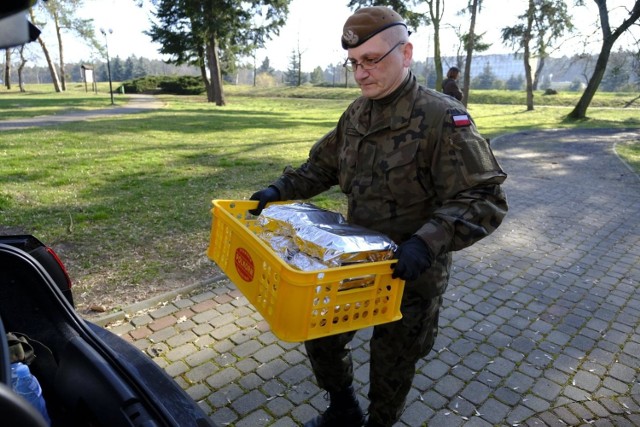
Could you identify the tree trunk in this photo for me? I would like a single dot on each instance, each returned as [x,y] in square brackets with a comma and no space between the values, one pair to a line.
[23,62]
[538,72]
[470,42]
[52,68]
[527,54]
[7,69]
[205,79]
[608,40]
[217,94]
[255,70]
[203,73]
[437,55]
[299,68]
[437,60]
[529,81]
[63,83]
[580,110]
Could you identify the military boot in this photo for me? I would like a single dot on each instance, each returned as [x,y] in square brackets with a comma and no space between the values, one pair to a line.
[343,411]
[371,423]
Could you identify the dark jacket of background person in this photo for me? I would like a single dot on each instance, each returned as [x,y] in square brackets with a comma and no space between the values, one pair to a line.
[450,84]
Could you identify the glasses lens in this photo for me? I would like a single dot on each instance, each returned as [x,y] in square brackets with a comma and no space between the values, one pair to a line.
[368,64]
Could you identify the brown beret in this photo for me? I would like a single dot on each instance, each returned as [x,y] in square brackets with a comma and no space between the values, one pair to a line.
[366,23]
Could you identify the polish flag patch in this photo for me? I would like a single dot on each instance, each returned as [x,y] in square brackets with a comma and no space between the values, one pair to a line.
[461,120]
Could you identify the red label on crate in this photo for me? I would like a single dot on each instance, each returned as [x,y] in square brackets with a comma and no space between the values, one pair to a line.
[244,264]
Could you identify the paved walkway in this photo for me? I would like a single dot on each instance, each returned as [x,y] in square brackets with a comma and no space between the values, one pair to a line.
[540,326]
[137,103]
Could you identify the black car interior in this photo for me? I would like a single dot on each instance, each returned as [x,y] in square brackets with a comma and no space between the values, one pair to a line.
[79,378]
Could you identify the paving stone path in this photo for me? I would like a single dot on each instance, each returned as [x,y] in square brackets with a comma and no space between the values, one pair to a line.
[540,326]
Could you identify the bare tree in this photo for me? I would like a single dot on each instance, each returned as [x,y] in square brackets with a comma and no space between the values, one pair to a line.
[436,11]
[479,46]
[474,7]
[460,47]
[7,68]
[52,6]
[551,22]
[23,62]
[609,38]
[62,12]
[544,22]
[47,56]
[584,61]
[299,54]
[526,41]
[520,35]
[293,76]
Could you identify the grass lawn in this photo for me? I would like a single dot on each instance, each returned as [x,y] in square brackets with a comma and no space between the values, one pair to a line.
[126,200]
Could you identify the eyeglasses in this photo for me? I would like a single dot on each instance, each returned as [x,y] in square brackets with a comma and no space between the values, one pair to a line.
[367,64]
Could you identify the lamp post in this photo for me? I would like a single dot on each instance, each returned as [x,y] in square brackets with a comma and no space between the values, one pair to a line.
[106,43]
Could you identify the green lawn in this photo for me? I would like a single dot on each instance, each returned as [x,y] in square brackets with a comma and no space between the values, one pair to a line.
[126,200]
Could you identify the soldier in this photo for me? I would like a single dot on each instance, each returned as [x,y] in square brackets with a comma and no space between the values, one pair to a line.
[413,166]
[450,84]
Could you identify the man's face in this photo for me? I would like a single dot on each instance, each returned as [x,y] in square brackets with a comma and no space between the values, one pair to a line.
[388,74]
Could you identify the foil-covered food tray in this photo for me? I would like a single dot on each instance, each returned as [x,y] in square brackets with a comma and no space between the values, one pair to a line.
[311,238]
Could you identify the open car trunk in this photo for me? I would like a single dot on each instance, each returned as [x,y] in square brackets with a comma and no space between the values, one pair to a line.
[89,376]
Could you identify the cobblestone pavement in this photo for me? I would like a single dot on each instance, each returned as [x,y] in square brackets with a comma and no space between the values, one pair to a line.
[540,325]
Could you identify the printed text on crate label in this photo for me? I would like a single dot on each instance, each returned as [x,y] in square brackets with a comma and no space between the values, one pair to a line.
[244,264]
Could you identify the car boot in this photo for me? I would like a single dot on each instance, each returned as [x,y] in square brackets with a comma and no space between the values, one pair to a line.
[343,411]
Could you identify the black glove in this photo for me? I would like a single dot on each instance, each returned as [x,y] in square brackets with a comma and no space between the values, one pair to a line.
[414,258]
[264,196]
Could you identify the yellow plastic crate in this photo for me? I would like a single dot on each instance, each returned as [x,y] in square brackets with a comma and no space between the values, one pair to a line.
[299,305]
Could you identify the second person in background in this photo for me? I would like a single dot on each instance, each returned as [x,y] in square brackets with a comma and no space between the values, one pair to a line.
[450,84]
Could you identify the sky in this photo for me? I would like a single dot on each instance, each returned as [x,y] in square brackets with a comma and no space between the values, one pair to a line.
[313,26]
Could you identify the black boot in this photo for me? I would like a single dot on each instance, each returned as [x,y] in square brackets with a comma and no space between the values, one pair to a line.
[343,411]
[371,423]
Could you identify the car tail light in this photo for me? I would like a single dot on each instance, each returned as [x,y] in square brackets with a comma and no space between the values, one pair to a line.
[62,267]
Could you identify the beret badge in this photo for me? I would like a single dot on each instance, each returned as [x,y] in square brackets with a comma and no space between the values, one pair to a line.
[366,22]
[350,37]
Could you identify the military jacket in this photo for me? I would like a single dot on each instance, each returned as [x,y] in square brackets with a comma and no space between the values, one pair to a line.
[413,163]
[450,87]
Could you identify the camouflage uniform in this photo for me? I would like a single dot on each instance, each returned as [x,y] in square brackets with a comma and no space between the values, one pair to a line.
[412,163]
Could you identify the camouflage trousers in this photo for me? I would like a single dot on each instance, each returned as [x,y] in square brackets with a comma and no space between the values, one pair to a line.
[394,348]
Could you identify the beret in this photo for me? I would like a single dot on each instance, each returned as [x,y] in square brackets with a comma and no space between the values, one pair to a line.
[366,22]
